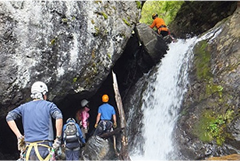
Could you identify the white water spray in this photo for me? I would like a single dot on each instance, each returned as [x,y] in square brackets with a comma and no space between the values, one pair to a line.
[162,100]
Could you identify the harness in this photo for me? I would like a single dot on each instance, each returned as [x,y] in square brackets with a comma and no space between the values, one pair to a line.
[162,26]
[74,149]
[35,145]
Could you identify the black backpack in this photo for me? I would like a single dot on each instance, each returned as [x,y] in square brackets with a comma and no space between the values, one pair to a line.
[71,133]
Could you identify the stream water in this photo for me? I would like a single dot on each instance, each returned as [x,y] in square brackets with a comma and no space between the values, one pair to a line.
[161,102]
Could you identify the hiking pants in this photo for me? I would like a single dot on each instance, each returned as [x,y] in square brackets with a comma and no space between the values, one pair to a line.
[103,127]
[72,154]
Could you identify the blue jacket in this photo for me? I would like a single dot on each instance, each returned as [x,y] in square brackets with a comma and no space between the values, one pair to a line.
[79,132]
[36,119]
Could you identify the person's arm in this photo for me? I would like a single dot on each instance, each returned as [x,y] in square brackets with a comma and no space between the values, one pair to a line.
[59,126]
[114,119]
[153,24]
[97,120]
[13,126]
[80,134]
[11,117]
[57,115]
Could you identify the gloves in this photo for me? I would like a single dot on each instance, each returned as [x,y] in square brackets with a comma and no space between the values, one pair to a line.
[21,143]
[95,126]
[56,144]
[114,125]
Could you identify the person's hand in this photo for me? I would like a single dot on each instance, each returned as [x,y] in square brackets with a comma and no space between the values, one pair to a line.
[56,144]
[114,125]
[95,126]
[21,142]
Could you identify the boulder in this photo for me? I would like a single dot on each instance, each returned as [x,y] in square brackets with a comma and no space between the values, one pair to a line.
[98,148]
[153,44]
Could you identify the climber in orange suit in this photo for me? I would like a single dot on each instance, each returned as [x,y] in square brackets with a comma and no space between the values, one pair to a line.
[159,24]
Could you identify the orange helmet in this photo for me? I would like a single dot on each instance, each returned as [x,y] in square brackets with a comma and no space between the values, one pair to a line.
[105,98]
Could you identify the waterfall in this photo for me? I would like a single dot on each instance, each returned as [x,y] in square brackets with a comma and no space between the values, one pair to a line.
[161,102]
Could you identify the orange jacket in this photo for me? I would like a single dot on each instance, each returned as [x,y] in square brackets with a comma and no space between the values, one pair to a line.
[158,22]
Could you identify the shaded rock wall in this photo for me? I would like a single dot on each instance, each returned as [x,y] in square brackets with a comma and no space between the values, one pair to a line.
[196,17]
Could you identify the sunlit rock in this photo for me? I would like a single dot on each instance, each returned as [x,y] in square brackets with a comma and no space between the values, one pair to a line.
[70,45]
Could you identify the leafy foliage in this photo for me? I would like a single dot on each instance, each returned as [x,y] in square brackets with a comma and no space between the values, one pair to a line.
[167,10]
[212,126]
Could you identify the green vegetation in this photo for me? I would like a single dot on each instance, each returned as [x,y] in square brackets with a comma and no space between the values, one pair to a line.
[165,9]
[202,63]
[75,80]
[64,20]
[139,5]
[53,41]
[126,22]
[109,56]
[212,123]
[97,30]
[212,126]
[105,15]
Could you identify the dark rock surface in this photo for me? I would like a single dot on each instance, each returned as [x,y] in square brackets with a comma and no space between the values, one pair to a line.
[196,17]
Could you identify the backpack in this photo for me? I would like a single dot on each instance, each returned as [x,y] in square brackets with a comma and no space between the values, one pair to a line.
[71,133]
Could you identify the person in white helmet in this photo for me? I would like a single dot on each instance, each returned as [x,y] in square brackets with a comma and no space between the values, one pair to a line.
[37,124]
[84,116]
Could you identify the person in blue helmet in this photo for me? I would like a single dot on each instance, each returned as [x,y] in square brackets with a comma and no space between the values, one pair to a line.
[72,138]
[106,113]
[37,124]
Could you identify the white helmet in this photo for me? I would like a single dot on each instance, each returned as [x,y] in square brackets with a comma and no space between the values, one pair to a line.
[84,103]
[70,120]
[39,87]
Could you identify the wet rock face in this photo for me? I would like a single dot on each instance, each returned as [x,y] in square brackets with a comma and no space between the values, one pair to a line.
[197,17]
[209,126]
[69,45]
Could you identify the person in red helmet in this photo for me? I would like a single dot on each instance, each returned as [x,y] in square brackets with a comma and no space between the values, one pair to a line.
[160,25]
[106,113]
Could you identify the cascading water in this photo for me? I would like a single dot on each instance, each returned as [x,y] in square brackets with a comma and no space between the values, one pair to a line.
[161,102]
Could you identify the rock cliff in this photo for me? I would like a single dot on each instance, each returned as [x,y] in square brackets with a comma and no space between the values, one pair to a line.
[209,125]
[70,45]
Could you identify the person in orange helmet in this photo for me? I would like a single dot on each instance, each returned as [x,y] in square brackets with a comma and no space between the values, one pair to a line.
[106,113]
[160,25]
